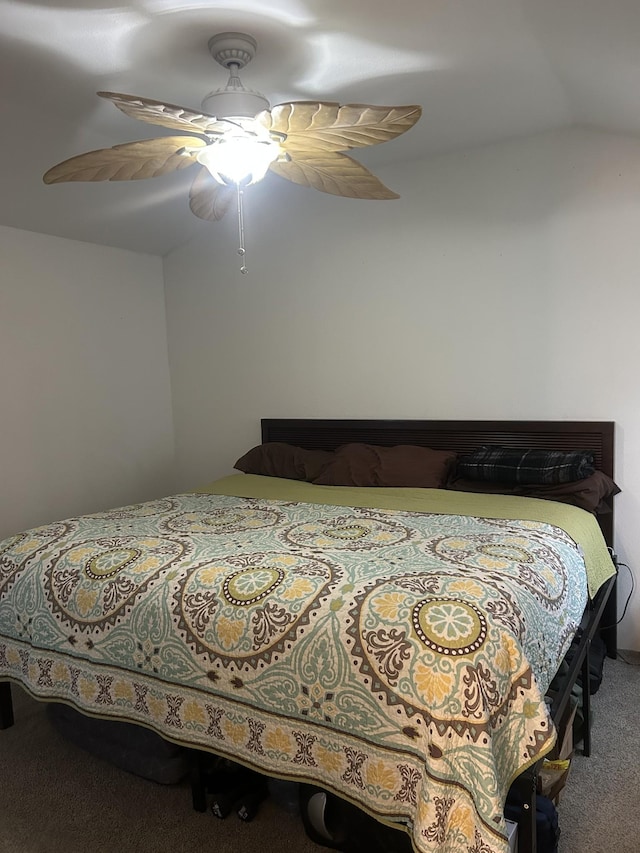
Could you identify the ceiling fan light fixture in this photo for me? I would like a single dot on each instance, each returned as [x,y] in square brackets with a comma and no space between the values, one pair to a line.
[240,156]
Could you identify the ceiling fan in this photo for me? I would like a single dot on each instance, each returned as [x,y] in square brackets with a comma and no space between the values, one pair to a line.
[238,138]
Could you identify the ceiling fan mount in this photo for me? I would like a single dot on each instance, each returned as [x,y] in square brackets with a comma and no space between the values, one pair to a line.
[232,49]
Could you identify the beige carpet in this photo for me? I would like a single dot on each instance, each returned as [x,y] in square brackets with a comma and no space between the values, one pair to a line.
[600,807]
[56,798]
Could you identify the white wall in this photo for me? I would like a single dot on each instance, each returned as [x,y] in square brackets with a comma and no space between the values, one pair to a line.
[85,412]
[502,284]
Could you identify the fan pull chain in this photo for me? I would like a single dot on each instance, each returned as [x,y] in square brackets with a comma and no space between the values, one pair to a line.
[241,249]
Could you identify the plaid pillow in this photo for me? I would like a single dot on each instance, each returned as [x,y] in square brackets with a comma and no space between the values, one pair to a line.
[520,465]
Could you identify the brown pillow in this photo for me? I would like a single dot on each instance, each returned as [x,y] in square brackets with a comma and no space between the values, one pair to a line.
[589,493]
[277,459]
[403,466]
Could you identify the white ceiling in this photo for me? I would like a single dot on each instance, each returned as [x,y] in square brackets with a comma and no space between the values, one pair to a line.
[483,70]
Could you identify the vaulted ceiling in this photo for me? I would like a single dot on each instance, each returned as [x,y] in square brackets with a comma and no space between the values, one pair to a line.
[483,71]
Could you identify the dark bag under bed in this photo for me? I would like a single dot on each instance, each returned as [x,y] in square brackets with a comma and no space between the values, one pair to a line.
[132,748]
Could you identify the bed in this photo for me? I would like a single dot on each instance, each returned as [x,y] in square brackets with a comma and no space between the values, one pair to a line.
[390,645]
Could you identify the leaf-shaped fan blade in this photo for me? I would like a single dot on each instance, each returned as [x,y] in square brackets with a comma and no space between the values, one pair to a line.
[325,126]
[332,173]
[130,161]
[208,199]
[166,115]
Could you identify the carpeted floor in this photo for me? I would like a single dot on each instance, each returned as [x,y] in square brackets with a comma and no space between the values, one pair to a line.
[600,806]
[56,798]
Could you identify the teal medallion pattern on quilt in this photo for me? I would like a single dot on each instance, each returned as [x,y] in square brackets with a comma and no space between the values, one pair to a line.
[246,610]
[397,658]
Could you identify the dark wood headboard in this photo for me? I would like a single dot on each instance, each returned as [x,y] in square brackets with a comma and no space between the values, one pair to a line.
[460,436]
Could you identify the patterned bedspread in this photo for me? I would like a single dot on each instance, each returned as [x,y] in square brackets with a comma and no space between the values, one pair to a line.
[397,658]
